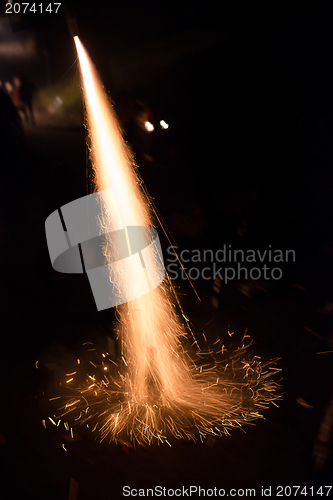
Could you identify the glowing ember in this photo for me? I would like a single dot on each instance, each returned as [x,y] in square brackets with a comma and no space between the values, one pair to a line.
[156,388]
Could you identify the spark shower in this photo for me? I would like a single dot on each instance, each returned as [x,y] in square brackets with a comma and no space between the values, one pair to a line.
[163,384]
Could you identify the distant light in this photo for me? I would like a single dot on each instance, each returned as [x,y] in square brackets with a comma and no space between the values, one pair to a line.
[22,48]
[9,86]
[149,126]
[55,104]
[164,124]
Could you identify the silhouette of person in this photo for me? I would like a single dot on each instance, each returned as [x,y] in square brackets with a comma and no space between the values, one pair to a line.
[27,90]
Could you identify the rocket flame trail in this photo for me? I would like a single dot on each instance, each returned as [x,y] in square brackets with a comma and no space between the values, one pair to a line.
[157,388]
[150,330]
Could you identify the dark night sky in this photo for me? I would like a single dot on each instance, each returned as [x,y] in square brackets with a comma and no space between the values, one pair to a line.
[247,88]
[254,97]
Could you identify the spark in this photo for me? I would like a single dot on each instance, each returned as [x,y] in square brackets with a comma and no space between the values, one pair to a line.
[72,403]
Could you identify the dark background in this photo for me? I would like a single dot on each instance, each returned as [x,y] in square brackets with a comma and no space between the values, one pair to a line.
[246,88]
